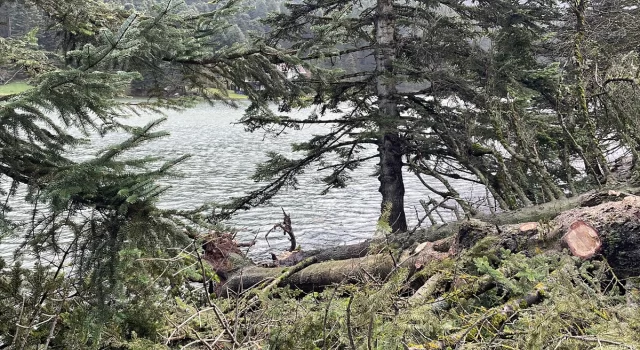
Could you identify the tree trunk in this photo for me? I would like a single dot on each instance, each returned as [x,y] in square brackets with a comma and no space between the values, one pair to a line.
[390,146]
[593,159]
[391,183]
[9,29]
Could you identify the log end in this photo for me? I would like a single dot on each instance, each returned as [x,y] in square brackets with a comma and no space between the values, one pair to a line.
[420,247]
[432,251]
[529,227]
[582,240]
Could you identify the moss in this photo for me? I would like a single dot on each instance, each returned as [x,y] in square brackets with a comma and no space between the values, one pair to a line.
[479,150]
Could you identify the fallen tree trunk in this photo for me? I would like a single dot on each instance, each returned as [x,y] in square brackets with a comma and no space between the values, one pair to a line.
[591,228]
[314,276]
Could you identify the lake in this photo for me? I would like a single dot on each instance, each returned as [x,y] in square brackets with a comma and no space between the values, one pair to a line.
[224,157]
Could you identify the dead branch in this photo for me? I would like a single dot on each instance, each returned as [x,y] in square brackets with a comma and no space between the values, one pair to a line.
[286,227]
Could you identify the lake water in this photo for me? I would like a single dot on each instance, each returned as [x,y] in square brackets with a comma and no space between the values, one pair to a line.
[224,156]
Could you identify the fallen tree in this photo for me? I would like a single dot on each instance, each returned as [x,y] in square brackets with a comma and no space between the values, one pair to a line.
[604,224]
[562,276]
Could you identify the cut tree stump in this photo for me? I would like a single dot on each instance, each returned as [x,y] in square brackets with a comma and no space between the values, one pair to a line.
[529,227]
[618,227]
[582,239]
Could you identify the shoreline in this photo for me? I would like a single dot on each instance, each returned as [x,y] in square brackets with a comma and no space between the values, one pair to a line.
[20,86]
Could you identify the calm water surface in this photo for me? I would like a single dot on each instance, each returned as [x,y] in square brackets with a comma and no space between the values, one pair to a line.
[224,156]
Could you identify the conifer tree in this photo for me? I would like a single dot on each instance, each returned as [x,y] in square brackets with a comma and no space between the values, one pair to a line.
[505,94]
[414,104]
[91,221]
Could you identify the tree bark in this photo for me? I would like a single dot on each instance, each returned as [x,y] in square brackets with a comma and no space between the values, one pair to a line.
[391,183]
[9,29]
[390,143]
[593,159]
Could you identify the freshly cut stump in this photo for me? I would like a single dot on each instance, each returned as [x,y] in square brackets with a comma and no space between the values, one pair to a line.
[582,239]
[528,227]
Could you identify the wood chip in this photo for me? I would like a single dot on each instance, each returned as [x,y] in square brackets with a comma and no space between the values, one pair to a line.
[420,247]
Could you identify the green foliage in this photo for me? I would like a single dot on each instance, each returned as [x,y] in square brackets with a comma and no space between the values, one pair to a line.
[105,263]
[479,303]
[100,266]
[574,312]
[383,227]
[501,99]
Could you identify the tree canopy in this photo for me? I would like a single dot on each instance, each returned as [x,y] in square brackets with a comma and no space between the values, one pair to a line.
[93,220]
[505,94]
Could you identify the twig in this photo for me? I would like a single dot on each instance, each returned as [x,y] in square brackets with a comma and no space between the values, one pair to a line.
[593,340]
[288,272]
[349,333]
[204,275]
[216,311]
[370,333]
[288,230]
[170,337]
[200,340]
[45,294]
[225,325]
[53,325]
[14,75]
[204,341]
[326,315]
[428,212]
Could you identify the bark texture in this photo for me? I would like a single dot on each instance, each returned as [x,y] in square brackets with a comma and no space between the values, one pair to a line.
[390,143]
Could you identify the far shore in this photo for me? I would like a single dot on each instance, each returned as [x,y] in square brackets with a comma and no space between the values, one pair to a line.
[14,88]
[17,87]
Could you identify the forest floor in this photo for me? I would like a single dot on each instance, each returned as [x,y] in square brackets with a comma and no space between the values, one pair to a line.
[556,276]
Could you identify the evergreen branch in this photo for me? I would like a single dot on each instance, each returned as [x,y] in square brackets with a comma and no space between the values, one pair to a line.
[346,164]
[617,80]
[228,57]
[113,45]
[329,54]
[7,97]
[286,174]
[290,121]
[140,135]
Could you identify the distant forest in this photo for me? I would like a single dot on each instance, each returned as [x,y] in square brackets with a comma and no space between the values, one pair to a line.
[18,19]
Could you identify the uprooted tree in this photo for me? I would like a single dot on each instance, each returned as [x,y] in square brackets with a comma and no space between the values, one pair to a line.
[599,223]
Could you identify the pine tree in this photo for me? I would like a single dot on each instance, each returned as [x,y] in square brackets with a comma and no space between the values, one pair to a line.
[504,94]
[413,104]
[92,221]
